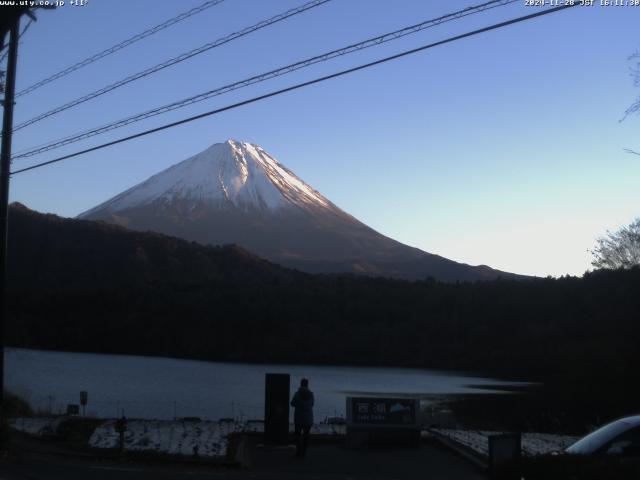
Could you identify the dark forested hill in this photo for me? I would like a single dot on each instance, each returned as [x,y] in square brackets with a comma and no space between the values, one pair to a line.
[51,252]
[86,286]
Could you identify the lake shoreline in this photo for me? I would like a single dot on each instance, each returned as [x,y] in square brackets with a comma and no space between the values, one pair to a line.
[160,387]
[509,378]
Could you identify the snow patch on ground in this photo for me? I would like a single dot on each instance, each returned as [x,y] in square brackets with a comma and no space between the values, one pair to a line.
[533,444]
[176,437]
[210,438]
[173,437]
[36,425]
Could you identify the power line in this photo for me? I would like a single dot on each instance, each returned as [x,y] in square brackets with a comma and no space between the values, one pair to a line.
[264,76]
[175,60]
[120,46]
[301,85]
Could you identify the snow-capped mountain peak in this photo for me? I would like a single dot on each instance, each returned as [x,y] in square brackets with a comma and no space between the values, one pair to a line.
[237,173]
[235,192]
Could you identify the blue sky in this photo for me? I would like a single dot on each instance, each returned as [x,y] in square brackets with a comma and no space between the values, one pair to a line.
[503,149]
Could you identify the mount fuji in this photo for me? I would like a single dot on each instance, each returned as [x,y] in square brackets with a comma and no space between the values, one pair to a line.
[235,192]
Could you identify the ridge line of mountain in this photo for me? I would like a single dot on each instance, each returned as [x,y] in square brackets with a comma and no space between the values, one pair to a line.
[235,192]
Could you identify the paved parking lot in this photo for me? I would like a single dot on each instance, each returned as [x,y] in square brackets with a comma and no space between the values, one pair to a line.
[323,462]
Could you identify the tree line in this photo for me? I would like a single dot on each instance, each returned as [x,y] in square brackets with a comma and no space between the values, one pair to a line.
[578,336]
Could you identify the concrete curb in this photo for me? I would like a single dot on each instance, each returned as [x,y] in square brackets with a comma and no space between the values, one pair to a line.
[461,450]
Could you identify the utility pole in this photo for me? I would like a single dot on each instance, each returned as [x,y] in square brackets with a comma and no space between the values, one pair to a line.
[5,166]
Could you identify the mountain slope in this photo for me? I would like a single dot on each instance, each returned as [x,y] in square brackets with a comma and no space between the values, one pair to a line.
[235,192]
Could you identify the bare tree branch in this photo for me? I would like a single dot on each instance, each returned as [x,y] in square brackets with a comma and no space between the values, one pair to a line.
[619,249]
[634,71]
[628,150]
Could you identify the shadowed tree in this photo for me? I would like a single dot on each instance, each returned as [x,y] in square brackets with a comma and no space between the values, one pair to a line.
[619,249]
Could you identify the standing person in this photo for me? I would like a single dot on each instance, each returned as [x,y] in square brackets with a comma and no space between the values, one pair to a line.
[302,401]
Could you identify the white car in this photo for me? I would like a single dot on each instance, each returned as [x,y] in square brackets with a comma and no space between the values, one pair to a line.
[620,438]
[611,452]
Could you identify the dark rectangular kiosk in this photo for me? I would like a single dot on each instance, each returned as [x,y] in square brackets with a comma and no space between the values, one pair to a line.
[276,409]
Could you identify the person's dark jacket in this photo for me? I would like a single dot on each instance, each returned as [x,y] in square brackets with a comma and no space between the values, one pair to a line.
[302,401]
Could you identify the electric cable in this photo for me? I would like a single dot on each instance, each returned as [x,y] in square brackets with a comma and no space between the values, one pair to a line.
[120,46]
[262,77]
[174,61]
[300,85]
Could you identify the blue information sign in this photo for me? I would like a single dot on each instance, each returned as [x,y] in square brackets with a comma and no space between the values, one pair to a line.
[382,411]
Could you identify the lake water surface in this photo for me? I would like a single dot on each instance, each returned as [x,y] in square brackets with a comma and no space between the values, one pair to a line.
[155,387]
